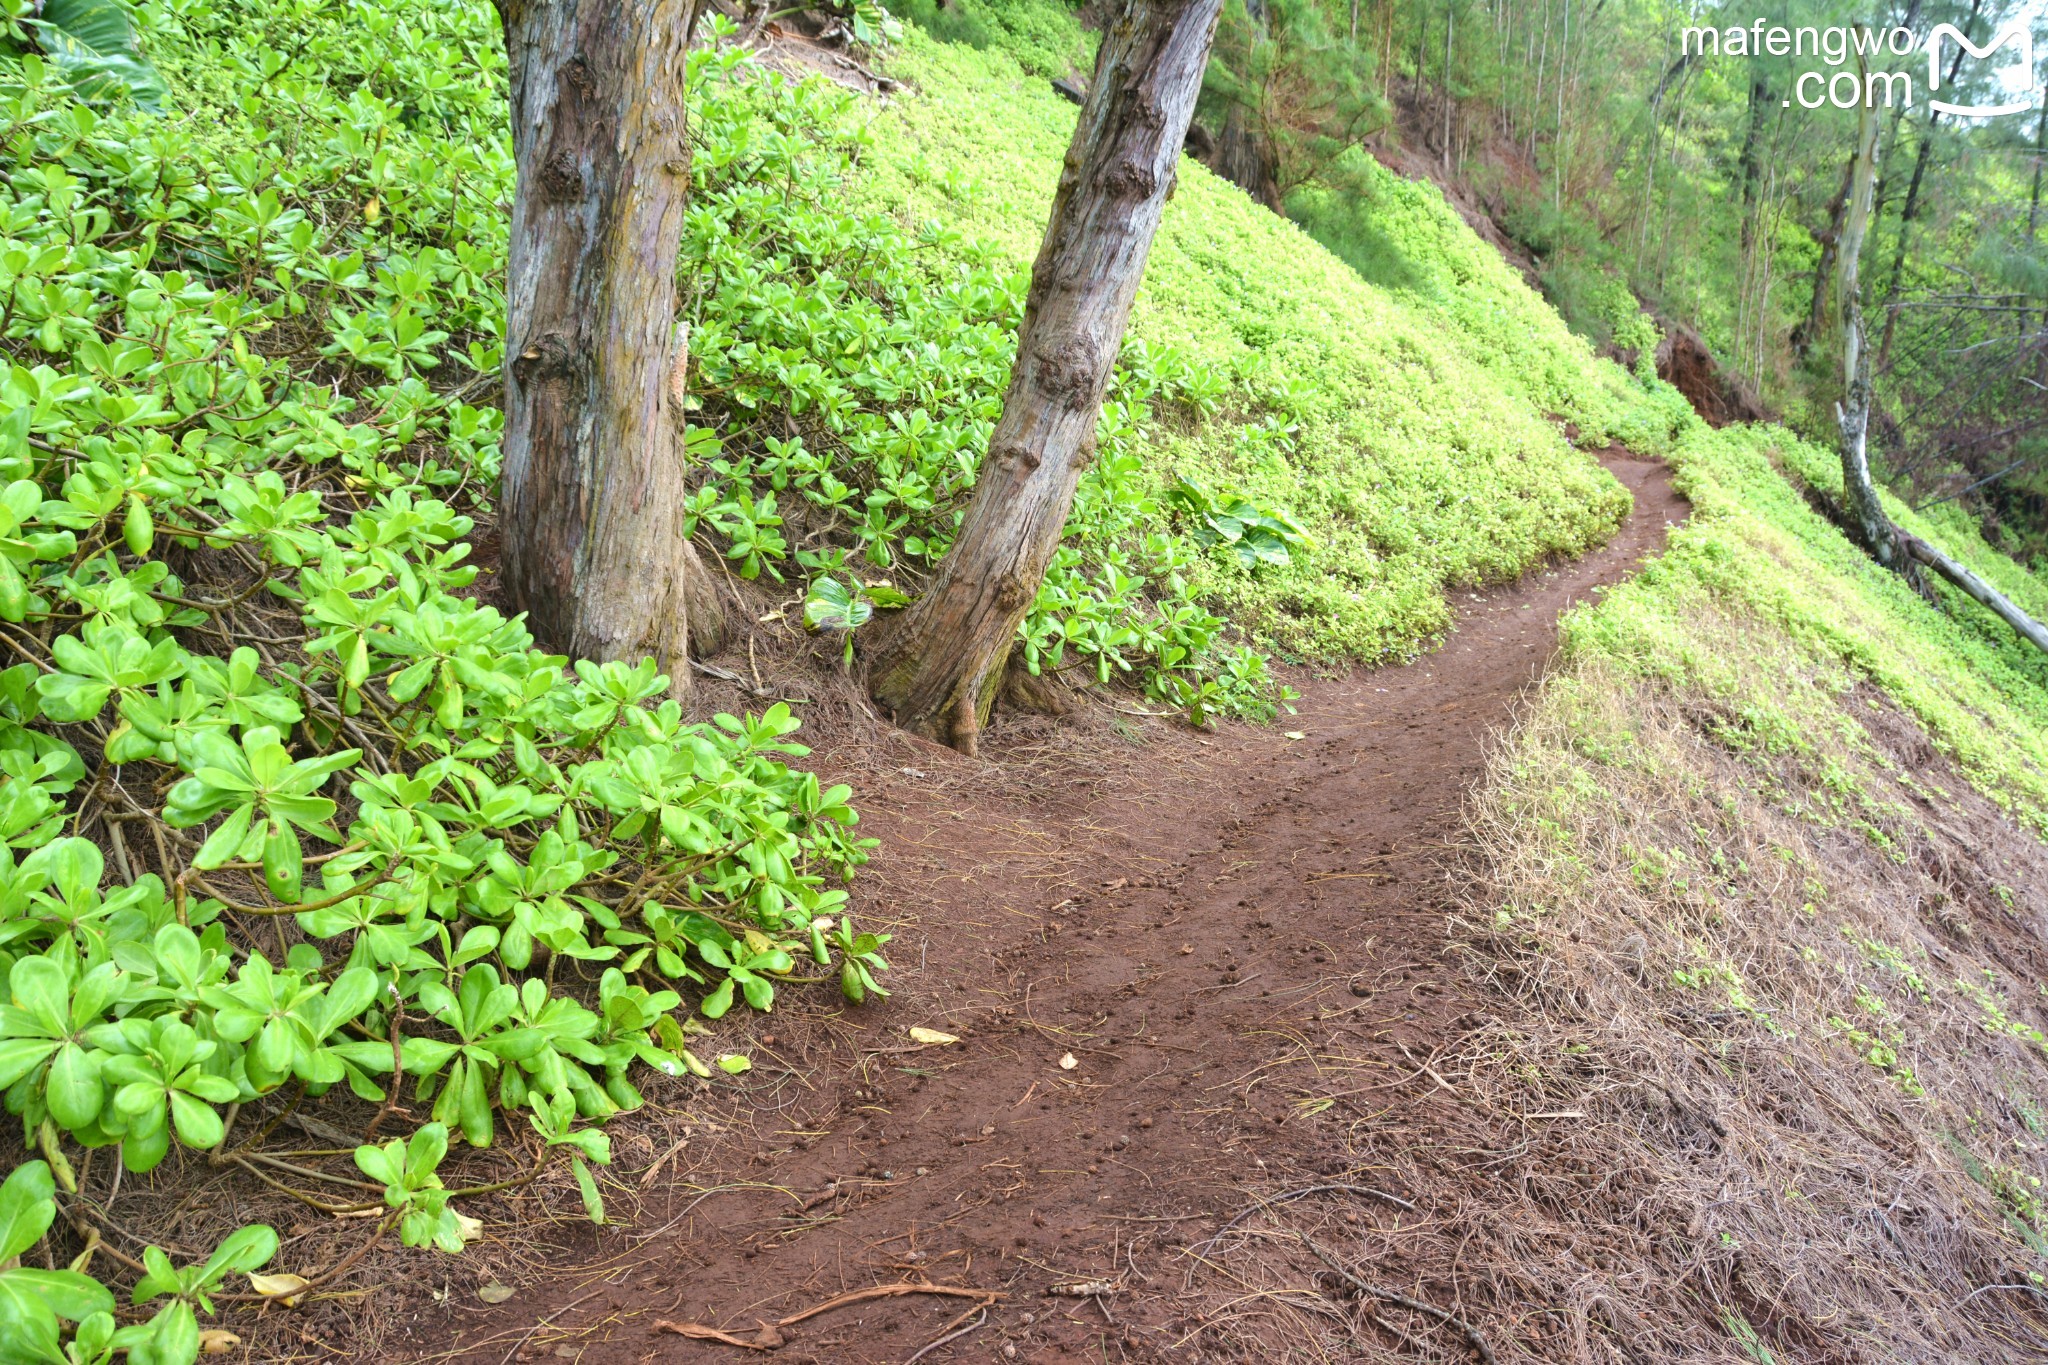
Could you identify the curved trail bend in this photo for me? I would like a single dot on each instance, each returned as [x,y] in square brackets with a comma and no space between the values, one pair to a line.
[1199,928]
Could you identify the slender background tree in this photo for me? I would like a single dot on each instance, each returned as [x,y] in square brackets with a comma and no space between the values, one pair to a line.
[1887,543]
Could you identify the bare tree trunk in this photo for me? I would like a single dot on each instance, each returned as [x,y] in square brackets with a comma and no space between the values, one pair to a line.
[1747,161]
[1906,215]
[1912,205]
[2033,224]
[1244,157]
[1656,139]
[1670,219]
[1853,413]
[593,481]
[2040,155]
[1557,151]
[1450,28]
[940,667]
[2001,606]
[1895,549]
[1386,49]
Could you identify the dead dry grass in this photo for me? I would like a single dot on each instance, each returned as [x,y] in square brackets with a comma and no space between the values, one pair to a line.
[1797,994]
[1760,1074]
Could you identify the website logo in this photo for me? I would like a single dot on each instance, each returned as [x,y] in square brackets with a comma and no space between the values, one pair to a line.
[1860,66]
[2018,77]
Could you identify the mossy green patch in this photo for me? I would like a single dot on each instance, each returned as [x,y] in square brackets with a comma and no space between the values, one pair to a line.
[1413,427]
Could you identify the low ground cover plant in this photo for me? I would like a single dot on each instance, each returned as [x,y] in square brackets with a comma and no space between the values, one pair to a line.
[288,810]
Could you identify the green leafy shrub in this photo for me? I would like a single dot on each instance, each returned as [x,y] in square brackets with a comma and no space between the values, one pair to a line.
[283,806]
[1252,535]
[850,373]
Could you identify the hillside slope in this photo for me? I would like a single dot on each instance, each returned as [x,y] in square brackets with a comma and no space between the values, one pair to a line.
[1761,870]
[1425,448]
[1758,875]
[1742,1031]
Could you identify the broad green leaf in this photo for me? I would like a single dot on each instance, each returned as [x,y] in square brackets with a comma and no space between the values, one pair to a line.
[593,1202]
[70,1295]
[94,44]
[226,841]
[27,1208]
[75,1093]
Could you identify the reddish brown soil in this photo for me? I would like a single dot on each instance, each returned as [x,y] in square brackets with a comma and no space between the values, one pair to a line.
[1716,395]
[1187,919]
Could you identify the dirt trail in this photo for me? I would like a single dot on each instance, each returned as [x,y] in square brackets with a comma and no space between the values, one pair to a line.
[1194,926]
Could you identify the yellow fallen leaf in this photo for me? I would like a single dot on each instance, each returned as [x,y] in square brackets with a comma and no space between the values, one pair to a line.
[468,1228]
[495,1293]
[1295,734]
[286,1289]
[932,1036]
[215,1341]
[1068,1062]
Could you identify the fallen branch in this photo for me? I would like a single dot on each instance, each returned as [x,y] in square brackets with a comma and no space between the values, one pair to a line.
[885,1291]
[952,1331]
[770,1335]
[1449,1319]
[767,1339]
[2000,605]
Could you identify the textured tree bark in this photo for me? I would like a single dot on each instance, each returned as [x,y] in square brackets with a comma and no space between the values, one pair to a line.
[939,669]
[1245,158]
[593,481]
[2000,605]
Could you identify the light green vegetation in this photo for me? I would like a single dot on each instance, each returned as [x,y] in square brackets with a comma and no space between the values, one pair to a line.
[284,808]
[1757,550]
[1404,420]
[248,424]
